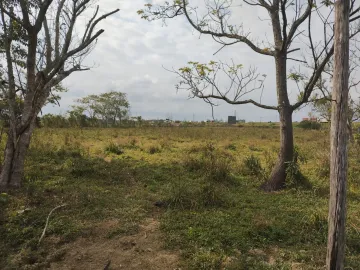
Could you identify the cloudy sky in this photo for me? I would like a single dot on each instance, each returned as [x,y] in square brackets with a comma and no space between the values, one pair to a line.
[132,57]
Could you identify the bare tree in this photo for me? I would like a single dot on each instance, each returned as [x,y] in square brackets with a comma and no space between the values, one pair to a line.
[322,100]
[338,140]
[291,22]
[45,30]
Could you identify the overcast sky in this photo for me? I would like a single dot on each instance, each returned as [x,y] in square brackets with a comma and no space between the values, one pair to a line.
[132,53]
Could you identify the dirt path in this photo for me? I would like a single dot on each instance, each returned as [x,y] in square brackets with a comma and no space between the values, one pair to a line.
[141,251]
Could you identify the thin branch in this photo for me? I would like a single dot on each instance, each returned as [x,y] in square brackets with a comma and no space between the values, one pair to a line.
[47,221]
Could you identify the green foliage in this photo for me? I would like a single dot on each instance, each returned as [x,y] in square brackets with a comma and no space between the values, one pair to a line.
[309,125]
[154,149]
[294,177]
[252,166]
[295,77]
[114,149]
[231,146]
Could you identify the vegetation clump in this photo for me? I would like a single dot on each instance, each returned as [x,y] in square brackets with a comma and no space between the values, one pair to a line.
[306,124]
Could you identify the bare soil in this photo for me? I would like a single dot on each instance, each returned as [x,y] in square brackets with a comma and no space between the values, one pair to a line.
[141,251]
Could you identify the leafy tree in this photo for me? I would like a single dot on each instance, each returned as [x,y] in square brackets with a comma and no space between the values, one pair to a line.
[41,50]
[291,23]
[111,107]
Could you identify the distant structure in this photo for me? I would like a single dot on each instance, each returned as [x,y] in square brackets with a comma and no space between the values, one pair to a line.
[241,121]
[311,119]
[231,120]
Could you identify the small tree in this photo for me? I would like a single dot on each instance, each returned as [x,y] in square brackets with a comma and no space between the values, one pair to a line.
[44,30]
[290,21]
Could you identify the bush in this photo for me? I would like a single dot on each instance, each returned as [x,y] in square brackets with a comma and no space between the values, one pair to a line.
[182,195]
[154,149]
[253,166]
[114,148]
[309,125]
[231,146]
[294,177]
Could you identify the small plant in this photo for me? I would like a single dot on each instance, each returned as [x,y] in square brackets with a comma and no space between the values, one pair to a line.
[154,149]
[212,195]
[231,146]
[253,166]
[182,195]
[294,177]
[254,148]
[133,143]
[323,168]
[114,149]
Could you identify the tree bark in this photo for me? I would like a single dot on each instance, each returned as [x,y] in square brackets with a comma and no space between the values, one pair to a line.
[350,132]
[277,178]
[338,139]
[12,171]
[278,175]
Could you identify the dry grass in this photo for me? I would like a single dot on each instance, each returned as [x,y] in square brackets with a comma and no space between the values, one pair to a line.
[211,207]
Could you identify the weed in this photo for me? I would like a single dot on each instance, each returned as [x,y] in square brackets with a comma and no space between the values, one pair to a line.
[114,149]
[182,195]
[253,166]
[154,149]
[231,146]
[323,165]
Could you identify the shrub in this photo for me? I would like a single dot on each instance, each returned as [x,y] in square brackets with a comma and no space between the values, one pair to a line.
[294,177]
[231,146]
[182,195]
[309,125]
[114,149]
[253,166]
[154,149]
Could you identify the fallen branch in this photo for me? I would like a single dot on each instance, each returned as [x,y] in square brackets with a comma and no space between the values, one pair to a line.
[47,221]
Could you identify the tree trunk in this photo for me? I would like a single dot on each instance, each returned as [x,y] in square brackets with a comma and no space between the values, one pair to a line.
[12,171]
[350,132]
[278,175]
[338,139]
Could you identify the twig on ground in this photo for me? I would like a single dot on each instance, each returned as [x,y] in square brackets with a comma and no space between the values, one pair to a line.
[47,221]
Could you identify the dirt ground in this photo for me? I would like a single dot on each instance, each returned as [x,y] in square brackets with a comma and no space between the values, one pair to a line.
[141,251]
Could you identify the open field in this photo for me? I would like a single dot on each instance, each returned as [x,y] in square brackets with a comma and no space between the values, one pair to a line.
[162,198]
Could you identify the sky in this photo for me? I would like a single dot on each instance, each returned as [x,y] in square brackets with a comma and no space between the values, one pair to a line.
[133,56]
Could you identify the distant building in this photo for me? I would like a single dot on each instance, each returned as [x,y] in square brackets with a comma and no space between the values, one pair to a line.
[231,120]
[311,119]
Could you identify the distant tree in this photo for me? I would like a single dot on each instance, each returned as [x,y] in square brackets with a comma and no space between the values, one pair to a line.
[291,24]
[54,121]
[323,108]
[111,107]
[41,49]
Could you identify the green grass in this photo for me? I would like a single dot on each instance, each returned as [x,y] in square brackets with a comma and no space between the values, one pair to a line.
[207,179]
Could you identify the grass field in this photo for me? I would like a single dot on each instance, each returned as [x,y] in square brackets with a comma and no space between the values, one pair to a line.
[199,183]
